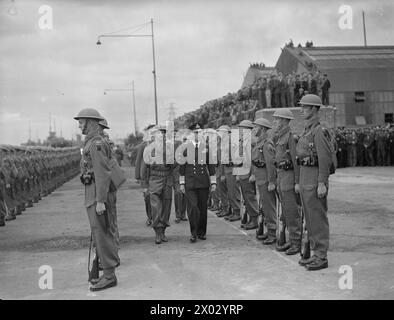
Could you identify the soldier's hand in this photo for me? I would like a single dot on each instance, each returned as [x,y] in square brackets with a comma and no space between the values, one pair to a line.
[100,208]
[182,188]
[213,187]
[271,187]
[236,178]
[297,188]
[321,190]
[252,178]
[223,178]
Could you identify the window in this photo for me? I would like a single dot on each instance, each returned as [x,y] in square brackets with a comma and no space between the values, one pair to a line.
[359,96]
[388,118]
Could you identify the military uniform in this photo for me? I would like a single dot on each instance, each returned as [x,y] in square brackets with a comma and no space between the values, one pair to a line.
[263,160]
[314,156]
[159,181]
[138,170]
[288,173]
[197,178]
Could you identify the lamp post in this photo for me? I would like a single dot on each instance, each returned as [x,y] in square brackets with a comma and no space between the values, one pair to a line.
[153,55]
[134,112]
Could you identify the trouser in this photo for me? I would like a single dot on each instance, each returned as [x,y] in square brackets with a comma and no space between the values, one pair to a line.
[215,201]
[325,98]
[268,98]
[148,208]
[248,190]
[105,232]
[268,204]
[160,190]
[370,157]
[381,155]
[180,202]
[351,155]
[222,191]
[315,210]
[197,200]
[234,193]
[283,102]
[290,205]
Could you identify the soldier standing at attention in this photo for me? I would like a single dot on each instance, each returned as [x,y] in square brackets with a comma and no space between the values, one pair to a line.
[100,196]
[314,156]
[264,172]
[243,173]
[195,179]
[158,182]
[288,173]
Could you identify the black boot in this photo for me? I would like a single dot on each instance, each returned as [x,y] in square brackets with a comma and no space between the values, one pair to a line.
[162,234]
[244,220]
[252,224]
[158,236]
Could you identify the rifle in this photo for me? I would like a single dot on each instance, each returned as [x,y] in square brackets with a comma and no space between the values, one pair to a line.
[280,221]
[94,272]
[305,252]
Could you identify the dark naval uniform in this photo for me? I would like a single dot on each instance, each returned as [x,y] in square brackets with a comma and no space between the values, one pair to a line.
[197,178]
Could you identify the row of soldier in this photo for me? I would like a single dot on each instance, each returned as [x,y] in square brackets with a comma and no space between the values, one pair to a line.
[365,146]
[29,173]
[286,172]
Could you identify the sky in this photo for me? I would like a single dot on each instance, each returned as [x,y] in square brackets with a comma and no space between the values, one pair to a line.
[203,50]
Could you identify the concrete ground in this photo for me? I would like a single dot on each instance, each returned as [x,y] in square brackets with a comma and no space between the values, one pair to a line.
[230,264]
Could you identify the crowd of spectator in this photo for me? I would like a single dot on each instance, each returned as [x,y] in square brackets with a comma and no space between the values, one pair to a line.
[271,91]
[365,146]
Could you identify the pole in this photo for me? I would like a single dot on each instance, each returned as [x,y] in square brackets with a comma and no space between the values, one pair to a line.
[365,33]
[154,71]
[135,117]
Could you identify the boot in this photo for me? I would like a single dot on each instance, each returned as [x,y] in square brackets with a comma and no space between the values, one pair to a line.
[260,230]
[18,210]
[158,236]
[294,249]
[234,217]
[29,204]
[252,224]
[244,220]
[271,237]
[2,220]
[162,235]
[224,214]
[10,215]
[284,247]
[317,264]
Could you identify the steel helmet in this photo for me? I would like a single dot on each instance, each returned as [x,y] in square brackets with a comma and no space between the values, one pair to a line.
[104,124]
[89,113]
[246,124]
[263,122]
[311,100]
[283,113]
[224,128]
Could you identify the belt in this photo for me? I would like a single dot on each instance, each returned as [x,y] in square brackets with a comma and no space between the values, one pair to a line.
[160,173]
[258,164]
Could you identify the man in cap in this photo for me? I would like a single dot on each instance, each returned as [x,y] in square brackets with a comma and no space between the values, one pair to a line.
[100,196]
[138,166]
[158,181]
[197,176]
[314,156]
[264,172]
[243,173]
[288,173]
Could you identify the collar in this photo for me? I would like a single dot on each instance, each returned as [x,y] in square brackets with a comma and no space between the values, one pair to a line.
[283,131]
[92,134]
[312,122]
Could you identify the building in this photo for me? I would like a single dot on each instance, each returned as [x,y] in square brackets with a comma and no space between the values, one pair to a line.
[254,73]
[362,79]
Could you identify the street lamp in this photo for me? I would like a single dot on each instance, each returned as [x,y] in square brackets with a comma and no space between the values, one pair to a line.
[134,113]
[153,54]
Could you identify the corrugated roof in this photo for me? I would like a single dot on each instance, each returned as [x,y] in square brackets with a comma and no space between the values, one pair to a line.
[346,57]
